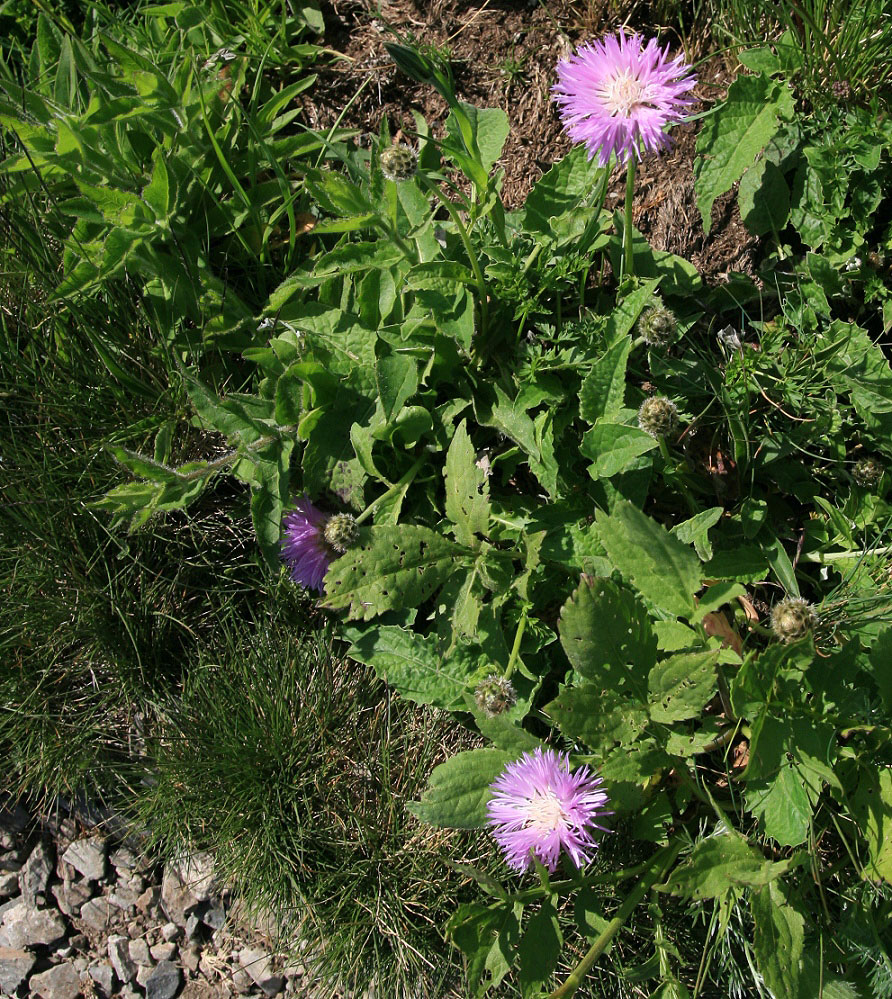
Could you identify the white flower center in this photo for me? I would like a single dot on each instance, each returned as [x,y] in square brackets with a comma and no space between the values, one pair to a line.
[623,93]
[545,812]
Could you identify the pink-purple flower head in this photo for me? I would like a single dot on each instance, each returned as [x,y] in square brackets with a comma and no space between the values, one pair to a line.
[540,807]
[313,540]
[617,97]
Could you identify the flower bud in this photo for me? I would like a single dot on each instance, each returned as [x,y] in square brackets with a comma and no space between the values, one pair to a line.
[658,416]
[867,472]
[398,163]
[341,532]
[657,326]
[495,695]
[792,618]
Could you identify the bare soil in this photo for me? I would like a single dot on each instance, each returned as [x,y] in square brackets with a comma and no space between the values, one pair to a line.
[503,54]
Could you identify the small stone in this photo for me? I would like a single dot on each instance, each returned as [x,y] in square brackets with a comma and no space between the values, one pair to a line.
[71,897]
[149,899]
[134,930]
[192,925]
[98,914]
[123,859]
[87,855]
[80,963]
[35,875]
[163,951]
[14,967]
[242,981]
[258,964]
[119,956]
[102,974]
[124,898]
[60,982]
[9,884]
[26,927]
[170,931]
[139,951]
[190,956]
[143,974]
[214,916]
[79,941]
[62,950]
[164,981]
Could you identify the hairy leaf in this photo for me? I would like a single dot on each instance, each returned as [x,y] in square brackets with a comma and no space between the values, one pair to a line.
[458,790]
[682,685]
[467,490]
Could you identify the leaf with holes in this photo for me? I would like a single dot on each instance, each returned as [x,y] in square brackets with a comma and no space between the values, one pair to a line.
[607,635]
[599,718]
[467,492]
[682,685]
[394,568]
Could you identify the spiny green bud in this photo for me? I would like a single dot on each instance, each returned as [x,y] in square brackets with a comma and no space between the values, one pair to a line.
[657,326]
[792,618]
[658,416]
[495,695]
[398,163]
[867,472]
[341,532]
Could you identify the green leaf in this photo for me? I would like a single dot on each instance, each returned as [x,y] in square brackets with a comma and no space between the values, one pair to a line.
[880,658]
[695,531]
[764,199]
[396,376]
[871,806]
[413,665]
[458,790]
[603,388]
[157,191]
[607,635]
[664,570]
[599,718]
[391,568]
[561,190]
[270,494]
[720,864]
[614,447]
[489,127]
[782,806]
[731,138]
[682,685]
[540,947]
[467,490]
[487,936]
[779,944]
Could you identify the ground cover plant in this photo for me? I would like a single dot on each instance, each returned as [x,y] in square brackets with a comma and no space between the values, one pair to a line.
[628,529]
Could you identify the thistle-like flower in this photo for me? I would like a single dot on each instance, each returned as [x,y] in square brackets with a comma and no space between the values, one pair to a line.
[398,163]
[792,618]
[341,532]
[657,326]
[495,695]
[867,472]
[305,549]
[658,416]
[618,96]
[539,807]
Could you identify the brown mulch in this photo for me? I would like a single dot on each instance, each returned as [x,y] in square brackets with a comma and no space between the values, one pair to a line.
[503,54]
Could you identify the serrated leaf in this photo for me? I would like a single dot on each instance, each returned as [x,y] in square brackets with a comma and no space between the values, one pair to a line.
[782,806]
[664,570]
[871,806]
[695,530]
[613,447]
[682,685]
[602,390]
[228,416]
[458,790]
[396,567]
[269,495]
[721,864]
[413,665]
[561,190]
[764,199]
[607,635]
[599,718]
[778,942]
[467,490]
[487,936]
[731,138]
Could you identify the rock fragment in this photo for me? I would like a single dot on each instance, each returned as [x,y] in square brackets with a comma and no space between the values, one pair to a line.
[87,856]
[258,964]
[9,884]
[35,875]
[23,926]
[102,974]
[164,981]
[60,982]
[98,914]
[119,955]
[14,967]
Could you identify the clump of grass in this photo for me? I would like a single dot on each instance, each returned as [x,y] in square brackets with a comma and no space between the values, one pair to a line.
[294,768]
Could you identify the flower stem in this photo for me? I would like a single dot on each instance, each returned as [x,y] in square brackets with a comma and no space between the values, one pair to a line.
[518,638]
[658,867]
[628,255]
[404,481]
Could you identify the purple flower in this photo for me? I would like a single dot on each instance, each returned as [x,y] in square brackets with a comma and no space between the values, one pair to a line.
[617,97]
[304,548]
[539,807]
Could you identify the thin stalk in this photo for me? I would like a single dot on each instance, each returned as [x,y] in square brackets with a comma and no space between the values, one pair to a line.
[628,255]
[482,290]
[405,480]
[515,648]
[599,207]
[658,867]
